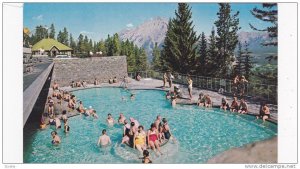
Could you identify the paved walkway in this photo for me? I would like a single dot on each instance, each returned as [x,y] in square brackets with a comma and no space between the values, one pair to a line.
[38,68]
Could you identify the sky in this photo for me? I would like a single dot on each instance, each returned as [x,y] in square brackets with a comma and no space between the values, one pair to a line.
[97,20]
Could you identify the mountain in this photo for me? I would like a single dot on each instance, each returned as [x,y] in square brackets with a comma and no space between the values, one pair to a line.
[154,30]
[147,34]
[254,40]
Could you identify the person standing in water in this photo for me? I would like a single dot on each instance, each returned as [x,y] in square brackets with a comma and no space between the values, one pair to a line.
[104,140]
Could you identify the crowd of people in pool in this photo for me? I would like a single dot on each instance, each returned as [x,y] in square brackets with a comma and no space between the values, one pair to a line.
[134,134]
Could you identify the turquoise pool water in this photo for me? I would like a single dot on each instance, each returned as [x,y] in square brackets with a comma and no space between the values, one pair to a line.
[200,133]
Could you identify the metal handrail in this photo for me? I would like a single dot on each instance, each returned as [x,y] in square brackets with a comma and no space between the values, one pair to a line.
[258,90]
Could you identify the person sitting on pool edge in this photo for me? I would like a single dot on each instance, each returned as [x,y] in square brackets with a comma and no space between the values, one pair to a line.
[138,77]
[110,81]
[121,119]
[208,102]
[264,112]
[243,107]
[55,85]
[55,138]
[96,82]
[115,80]
[110,119]
[153,141]
[234,105]
[146,157]
[224,104]
[104,140]
[140,139]
[201,99]
[129,134]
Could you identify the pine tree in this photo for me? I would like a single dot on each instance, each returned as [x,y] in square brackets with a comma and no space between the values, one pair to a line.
[86,44]
[116,45]
[227,26]
[52,31]
[180,42]
[269,14]
[109,46]
[90,46]
[212,57]
[248,61]
[156,58]
[72,43]
[203,55]
[102,47]
[80,46]
[65,37]
[238,70]
[141,62]
[60,37]
[40,33]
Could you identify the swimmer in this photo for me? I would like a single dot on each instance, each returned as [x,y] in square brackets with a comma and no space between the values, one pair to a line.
[57,123]
[55,138]
[80,107]
[104,140]
[64,115]
[121,118]
[146,157]
[94,114]
[132,97]
[110,119]
[66,126]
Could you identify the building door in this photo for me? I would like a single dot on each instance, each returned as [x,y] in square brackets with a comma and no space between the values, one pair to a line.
[53,53]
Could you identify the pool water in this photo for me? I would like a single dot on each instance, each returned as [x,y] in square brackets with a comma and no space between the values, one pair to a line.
[200,133]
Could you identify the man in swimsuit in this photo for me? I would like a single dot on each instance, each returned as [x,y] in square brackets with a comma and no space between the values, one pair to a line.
[157,121]
[146,157]
[234,105]
[121,119]
[110,119]
[55,138]
[243,107]
[104,140]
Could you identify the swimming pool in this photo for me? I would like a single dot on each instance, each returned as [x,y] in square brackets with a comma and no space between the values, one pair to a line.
[200,133]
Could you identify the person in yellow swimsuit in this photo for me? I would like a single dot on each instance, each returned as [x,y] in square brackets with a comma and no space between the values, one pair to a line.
[140,140]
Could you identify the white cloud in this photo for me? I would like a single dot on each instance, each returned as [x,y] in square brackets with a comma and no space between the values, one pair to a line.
[129,25]
[86,32]
[39,17]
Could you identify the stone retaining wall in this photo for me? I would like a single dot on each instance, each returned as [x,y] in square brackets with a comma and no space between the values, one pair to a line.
[87,69]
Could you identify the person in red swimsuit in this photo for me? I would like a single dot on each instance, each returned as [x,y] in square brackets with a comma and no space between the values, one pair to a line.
[153,139]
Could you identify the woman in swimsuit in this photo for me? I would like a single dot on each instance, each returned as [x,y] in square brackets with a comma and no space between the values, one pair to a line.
[165,78]
[208,102]
[190,86]
[234,105]
[201,100]
[146,158]
[224,104]
[153,138]
[166,129]
[140,139]
[55,138]
[235,85]
[128,133]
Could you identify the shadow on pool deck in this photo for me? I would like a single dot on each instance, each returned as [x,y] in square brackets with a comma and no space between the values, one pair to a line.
[258,152]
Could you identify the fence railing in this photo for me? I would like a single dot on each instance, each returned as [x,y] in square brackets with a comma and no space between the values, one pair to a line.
[255,91]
